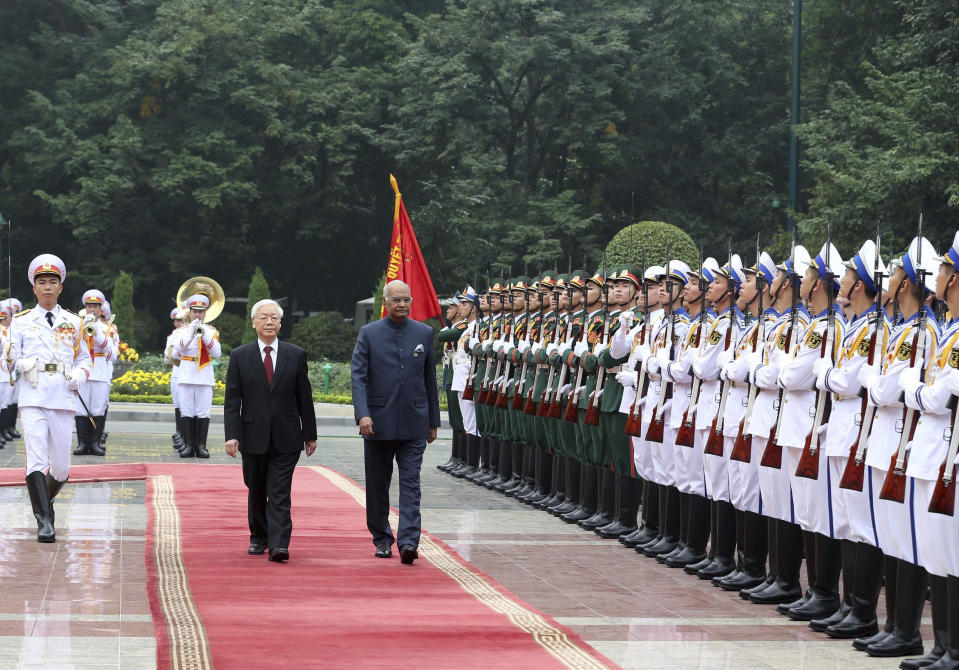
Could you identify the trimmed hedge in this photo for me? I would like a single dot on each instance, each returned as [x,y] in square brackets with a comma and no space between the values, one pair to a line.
[653,237]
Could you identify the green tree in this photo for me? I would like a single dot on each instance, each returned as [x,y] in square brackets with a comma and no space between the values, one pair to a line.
[123,309]
[231,328]
[258,290]
[326,335]
[652,238]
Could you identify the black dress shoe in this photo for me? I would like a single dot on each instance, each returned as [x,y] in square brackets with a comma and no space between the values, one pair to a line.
[256,549]
[383,551]
[408,554]
[279,555]
[820,625]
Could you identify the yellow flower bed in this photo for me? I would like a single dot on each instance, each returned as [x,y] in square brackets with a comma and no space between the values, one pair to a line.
[139,382]
[128,353]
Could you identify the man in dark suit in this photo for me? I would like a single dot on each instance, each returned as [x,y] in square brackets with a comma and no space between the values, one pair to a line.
[396,405]
[268,416]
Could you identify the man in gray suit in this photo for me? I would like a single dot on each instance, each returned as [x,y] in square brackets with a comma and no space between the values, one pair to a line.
[396,406]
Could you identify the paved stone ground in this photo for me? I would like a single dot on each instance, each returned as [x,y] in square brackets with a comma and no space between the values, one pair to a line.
[81,603]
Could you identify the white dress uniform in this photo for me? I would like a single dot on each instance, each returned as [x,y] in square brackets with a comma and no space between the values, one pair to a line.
[462,361]
[102,348]
[642,458]
[663,453]
[688,460]
[707,366]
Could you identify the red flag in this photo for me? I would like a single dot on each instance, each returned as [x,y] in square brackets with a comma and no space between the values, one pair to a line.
[406,263]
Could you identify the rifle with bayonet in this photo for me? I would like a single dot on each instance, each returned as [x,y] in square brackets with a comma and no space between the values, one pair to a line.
[572,408]
[654,433]
[529,406]
[894,486]
[494,335]
[808,466]
[545,408]
[592,410]
[773,454]
[518,394]
[853,475]
[634,420]
[685,436]
[743,446]
[510,340]
[715,448]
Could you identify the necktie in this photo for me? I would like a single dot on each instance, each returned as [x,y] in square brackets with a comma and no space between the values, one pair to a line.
[268,365]
[50,318]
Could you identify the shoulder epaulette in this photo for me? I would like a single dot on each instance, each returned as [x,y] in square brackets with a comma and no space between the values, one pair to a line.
[23,313]
[461,325]
[68,311]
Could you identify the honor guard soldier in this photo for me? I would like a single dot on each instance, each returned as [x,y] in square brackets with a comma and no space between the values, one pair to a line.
[912,342]
[6,390]
[45,345]
[178,317]
[458,461]
[8,415]
[106,316]
[468,327]
[784,536]
[932,467]
[101,348]
[196,345]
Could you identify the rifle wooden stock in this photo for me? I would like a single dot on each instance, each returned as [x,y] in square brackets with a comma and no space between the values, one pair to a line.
[685,436]
[894,485]
[715,444]
[468,393]
[634,424]
[517,402]
[655,431]
[529,407]
[808,466]
[773,453]
[572,408]
[943,500]
[854,474]
[743,446]
[592,412]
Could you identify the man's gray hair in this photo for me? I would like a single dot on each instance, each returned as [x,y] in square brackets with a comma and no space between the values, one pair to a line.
[264,303]
[395,282]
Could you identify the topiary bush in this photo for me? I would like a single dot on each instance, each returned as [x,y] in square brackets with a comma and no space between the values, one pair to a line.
[231,328]
[259,290]
[653,237]
[324,336]
[123,310]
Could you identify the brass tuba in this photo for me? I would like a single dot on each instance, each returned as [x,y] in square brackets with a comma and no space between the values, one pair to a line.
[207,287]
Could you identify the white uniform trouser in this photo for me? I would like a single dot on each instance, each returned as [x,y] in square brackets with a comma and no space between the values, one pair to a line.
[895,523]
[689,467]
[195,400]
[714,467]
[774,485]
[468,410]
[47,434]
[6,393]
[642,459]
[935,534]
[851,510]
[174,385]
[744,479]
[812,501]
[96,395]
[664,465]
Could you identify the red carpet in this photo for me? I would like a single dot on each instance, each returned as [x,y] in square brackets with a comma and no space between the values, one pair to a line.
[333,605]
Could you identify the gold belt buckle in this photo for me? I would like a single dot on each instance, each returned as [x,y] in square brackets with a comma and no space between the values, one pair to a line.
[50,367]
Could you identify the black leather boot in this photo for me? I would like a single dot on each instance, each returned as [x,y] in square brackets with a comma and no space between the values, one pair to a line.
[939,597]
[14,408]
[824,600]
[669,523]
[102,442]
[649,513]
[82,424]
[5,427]
[202,428]
[905,639]
[557,482]
[545,487]
[771,526]
[683,529]
[177,438]
[574,491]
[789,555]
[451,461]
[487,470]
[606,500]
[53,488]
[503,463]
[42,507]
[890,570]
[532,475]
[188,431]
[457,462]
[508,452]
[96,433]
[520,462]
[697,533]
[626,506]
[950,659]
[809,553]
[848,550]
[588,495]
[724,541]
[753,555]
[861,618]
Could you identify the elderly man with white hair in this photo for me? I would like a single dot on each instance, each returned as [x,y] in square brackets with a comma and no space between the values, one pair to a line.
[269,418]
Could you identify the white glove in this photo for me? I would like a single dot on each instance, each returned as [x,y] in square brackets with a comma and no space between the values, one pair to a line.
[473,341]
[625,321]
[627,378]
[652,365]
[724,357]
[579,392]
[662,357]
[821,375]
[642,351]
[909,381]
[523,346]
[551,348]
[26,364]
[580,349]
[820,365]
[77,378]
[566,389]
[868,376]
[535,349]
[726,374]
[497,346]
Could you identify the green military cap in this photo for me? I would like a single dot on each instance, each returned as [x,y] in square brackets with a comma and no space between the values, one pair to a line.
[497,286]
[519,283]
[578,278]
[628,272]
[547,280]
[598,278]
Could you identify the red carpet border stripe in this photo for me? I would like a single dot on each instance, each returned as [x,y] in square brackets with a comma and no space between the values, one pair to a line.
[547,635]
[188,645]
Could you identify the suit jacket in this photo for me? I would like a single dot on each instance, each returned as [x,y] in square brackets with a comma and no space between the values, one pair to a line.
[393,376]
[256,413]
